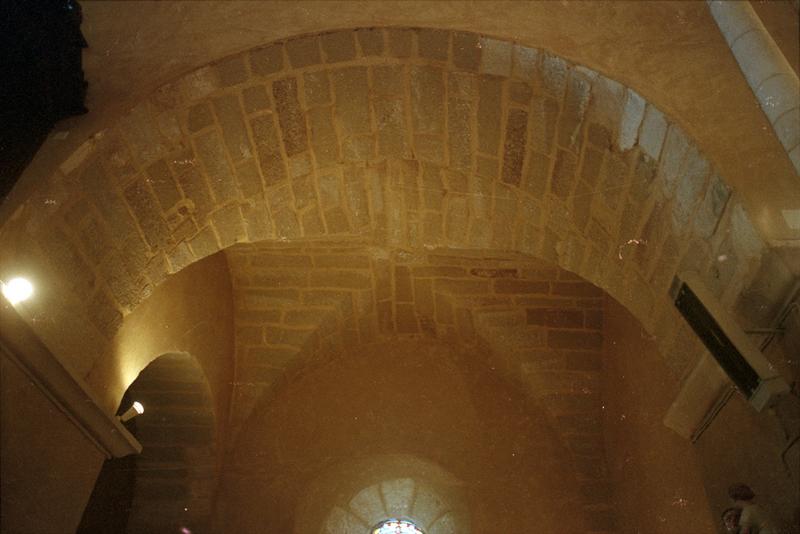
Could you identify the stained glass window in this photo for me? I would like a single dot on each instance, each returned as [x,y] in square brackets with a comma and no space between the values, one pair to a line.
[396,526]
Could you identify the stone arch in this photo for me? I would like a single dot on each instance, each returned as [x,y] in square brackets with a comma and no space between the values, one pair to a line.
[475,426]
[172,483]
[359,494]
[413,137]
[302,307]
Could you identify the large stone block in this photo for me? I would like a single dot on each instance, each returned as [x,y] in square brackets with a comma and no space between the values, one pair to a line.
[351,91]
[496,57]
[466,51]
[316,88]
[290,116]
[515,146]
[338,46]
[143,206]
[371,41]
[490,91]
[575,104]
[267,60]
[228,223]
[525,62]
[544,118]
[632,115]
[163,183]
[400,42]
[689,189]
[390,122]
[210,152]
[712,207]
[231,120]
[653,132]
[433,44]
[231,71]
[552,75]
[303,51]
[564,174]
[427,99]
[570,339]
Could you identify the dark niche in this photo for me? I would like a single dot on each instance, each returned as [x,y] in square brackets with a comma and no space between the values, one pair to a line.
[41,77]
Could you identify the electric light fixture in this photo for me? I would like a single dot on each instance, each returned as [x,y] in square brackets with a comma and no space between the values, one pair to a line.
[17,290]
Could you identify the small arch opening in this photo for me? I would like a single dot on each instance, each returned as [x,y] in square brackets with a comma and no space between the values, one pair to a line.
[396,526]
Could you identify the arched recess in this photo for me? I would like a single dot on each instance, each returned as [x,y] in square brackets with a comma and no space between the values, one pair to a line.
[401,396]
[356,495]
[412,137]
[171,485]
[308,309]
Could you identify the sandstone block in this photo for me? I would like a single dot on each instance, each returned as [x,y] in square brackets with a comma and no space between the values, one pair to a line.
[653,132]
[255,99]
[390,122]
[198,117]
[340,279]
[163,184]
[231,71]
[520,286]
[267,60]
[352,99]
[575,104]
[515,146]
[204,243]
[427,99]
[371,41]
[336,221]
[544,118]
[570,339]
[303,51]
[228,223]
[676,146]
[466,51]
[143,206]
[576,289]
[433,44]
[210,152]
[290,116]
[591,165]
[555,317]
[632,115]
[324,141]
[461,287]
[525,62]
[552,75]
[400,42]
[564,174]
[689,187]
[490,94]
[311,221]
[338,46]
[231,120]
[496,57]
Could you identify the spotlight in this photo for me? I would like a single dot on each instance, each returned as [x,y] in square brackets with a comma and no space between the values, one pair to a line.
[17,289]
[133,411]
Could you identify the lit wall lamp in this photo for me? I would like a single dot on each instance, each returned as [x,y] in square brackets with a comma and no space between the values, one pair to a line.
[133,411]
[17,289]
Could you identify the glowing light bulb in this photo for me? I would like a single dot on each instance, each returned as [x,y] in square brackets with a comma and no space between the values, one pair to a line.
[133,411]
[17,289]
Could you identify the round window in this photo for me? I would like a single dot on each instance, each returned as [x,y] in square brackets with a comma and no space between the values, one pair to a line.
[396,526]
